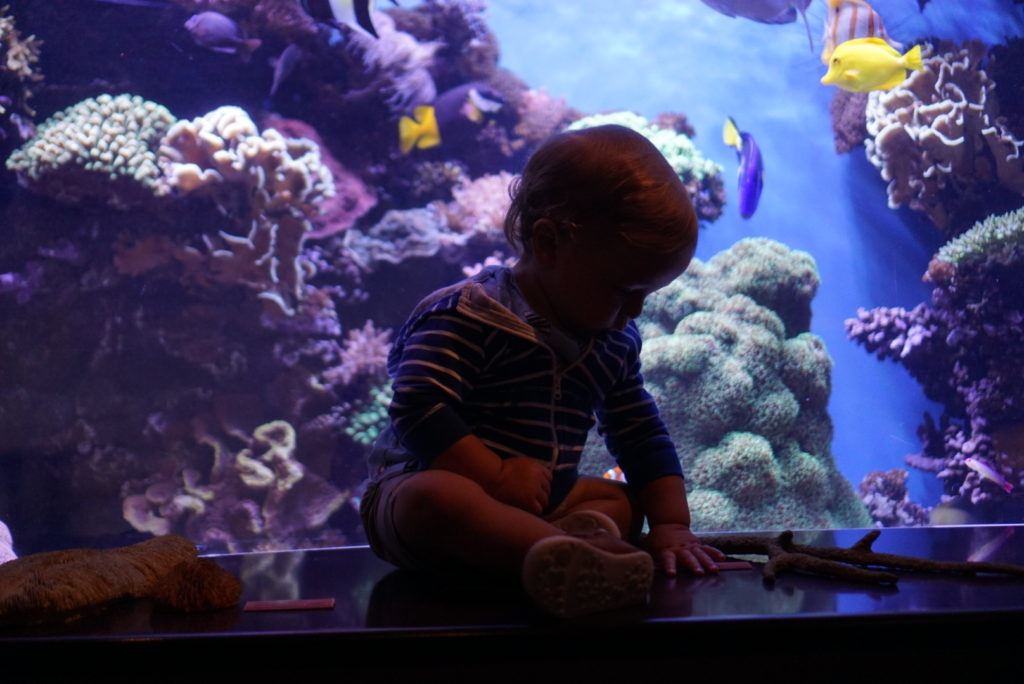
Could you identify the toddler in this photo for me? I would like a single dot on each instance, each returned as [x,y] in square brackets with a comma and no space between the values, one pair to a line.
[499,378]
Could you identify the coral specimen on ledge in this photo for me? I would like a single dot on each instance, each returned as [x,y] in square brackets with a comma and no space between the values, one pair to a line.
[964,347]
[744,389]
[101,147]
[854,563]
[940,142]
[60,586]
[702,177]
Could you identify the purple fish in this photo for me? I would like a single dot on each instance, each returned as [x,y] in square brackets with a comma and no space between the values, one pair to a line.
[764,11]
[751,166]
[214,31]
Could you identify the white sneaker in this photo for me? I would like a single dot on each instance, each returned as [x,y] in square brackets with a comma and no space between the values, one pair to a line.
[584,523]
[567,576]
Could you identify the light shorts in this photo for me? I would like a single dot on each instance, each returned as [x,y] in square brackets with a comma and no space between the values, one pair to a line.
[377,510]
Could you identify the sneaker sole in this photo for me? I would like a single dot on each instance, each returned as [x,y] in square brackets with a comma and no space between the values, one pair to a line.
[587,522]
[568,577]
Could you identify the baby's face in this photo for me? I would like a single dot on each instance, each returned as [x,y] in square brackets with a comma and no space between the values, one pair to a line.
[603,287]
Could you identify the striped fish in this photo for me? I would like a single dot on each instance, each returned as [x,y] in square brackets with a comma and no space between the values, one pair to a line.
[850,19]
[615,474]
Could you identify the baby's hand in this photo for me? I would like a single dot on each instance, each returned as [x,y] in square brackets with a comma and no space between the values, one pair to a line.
[671,544]
[524,483]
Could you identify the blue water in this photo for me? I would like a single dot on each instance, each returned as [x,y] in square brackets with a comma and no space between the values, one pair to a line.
[655,56]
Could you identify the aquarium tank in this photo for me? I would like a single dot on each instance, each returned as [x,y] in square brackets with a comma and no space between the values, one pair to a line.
[215,215]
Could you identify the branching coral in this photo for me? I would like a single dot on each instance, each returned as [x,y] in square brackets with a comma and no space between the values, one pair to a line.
[103,147]
[260,495]
[478,206]
[702,177]
[365,352]
[744,391]
[939,140]
[885,494]
[856,563]
[19,68]
[964,347]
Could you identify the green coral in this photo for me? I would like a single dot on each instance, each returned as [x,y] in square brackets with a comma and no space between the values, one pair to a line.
[366,424]
[744,389]
[678,149]
[985,237]
[105,146]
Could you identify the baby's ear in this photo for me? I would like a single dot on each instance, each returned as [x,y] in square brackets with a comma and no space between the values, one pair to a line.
[544,240]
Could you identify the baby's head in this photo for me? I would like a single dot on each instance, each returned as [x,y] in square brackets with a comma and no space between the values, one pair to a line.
[607,179]
[601,221]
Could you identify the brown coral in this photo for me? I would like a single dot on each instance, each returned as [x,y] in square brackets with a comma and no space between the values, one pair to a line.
[939,140]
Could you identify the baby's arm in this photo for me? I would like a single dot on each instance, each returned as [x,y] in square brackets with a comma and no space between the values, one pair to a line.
[670,540]
[521,482]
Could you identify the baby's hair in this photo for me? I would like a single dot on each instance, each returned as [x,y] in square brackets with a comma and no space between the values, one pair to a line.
[603,177]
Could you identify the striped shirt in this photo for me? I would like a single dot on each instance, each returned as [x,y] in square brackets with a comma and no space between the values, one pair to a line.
[473,358]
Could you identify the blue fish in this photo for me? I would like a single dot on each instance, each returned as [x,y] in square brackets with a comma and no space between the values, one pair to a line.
[751,166]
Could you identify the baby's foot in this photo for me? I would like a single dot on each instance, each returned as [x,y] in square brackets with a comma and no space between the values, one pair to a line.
[569,576]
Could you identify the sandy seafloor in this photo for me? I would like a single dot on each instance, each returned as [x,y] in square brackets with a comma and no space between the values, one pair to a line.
[655,56]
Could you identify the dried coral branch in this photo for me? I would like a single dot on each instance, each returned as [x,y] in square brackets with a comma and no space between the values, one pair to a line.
[842,563]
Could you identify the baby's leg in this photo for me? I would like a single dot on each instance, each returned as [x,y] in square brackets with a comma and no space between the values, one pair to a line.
[606,496]
[446,520]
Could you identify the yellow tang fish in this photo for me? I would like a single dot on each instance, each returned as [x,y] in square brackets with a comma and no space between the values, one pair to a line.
[420,131]
[866,64]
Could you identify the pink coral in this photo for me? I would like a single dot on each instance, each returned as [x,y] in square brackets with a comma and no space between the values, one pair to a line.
[479,206]
[365,352]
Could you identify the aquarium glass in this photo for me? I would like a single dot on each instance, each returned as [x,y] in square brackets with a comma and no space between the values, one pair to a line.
[215,215]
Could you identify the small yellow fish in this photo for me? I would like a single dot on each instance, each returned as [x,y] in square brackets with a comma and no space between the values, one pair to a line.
[866,64]
[420,131]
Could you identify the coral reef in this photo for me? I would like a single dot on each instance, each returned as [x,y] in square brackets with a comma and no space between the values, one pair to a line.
[702,177]
[478,206]
[270,182]
[964,347]
[849,120]
[744,389]
[19,69]
[398,64]
[257,497]
[351,197]
[885,494]
[101,147]
[940,142]
[540,116]
[468,227]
